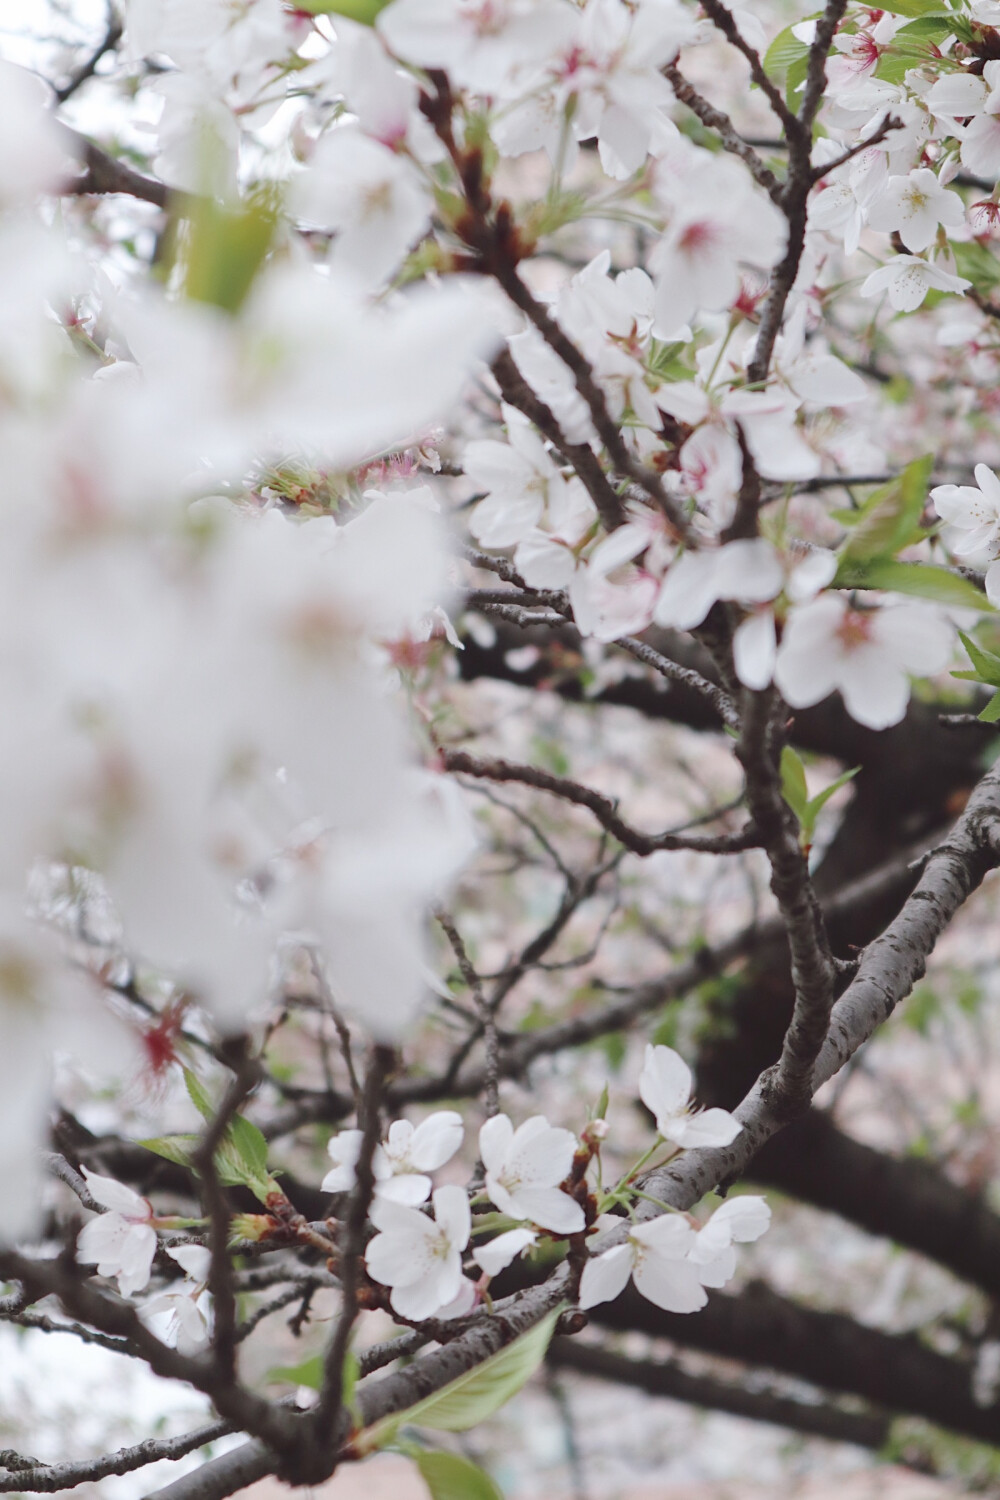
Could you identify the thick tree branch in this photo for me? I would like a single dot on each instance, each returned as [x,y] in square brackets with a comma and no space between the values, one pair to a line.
[658,1377]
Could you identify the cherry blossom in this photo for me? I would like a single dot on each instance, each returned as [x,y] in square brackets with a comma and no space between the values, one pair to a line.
[524,1168]
[915,205]
[656,1256]
[719,220]
[867,654]
[370,195]
[418,1257]
[498,1254]
[182,1316]
[401,1162]
[907,279]
[738,1220]
[665,1089]
[35,154]
[122,1241]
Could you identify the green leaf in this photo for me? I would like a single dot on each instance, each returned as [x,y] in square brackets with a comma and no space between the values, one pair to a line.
[976,264]
[364,11]
[890,515]
[793,783]
[474,1396]
[784,52]
[198,1094]
[991,713]
[175,1148]
[986,663]
[822,798]
[915,8]
[226,247]
[250,1144]
[309,1373]
[451,1477]
[921,579]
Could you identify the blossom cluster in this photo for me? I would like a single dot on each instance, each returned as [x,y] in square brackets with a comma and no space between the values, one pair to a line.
[435,1250]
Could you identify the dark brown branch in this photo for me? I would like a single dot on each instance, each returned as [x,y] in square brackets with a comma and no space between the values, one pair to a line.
[813,970]
[351,1245]
[112,36]
[722,18]
[603,808]
[50,1478]
[719,121]
[584,462]
[246,1075]
[105,174]
[868,1429]
[831,1350]
[487,1016]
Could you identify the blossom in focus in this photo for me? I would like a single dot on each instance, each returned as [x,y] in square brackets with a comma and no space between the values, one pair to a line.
[524,1168]
[738,1220]
[906,279]
[498,1254]
[122,1241]
[401,1162]
[915,205]
[182,1316]
[665,1089]
[974,509]
[866,654]
[418,1257]
[655,1255]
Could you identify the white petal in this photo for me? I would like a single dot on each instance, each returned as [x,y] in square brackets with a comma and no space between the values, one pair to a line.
[755,649]
[410,1188]
[451,1213]
[116,1196]
[550,1209]
[664,1084]
[670,1284]
[498,1254]
[605,1276]
[494,1138]
[436,1140]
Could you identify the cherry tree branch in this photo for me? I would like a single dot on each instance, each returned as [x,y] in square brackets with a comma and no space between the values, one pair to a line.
[663,1377]
[813,968]
[603,808]
[50,1478]
[717,120]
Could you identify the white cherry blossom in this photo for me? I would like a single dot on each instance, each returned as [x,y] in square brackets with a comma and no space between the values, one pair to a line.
[665,1089]
[915,205]
[371,195]
[868,654]
[418,1257]
[656,1256]
[122,1241]
[499,1253]
[738,1220]
[182,1316]
[524,1169]
[907,279]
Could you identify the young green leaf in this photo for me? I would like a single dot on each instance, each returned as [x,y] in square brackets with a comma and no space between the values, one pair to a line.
[364,11]
[474,1396]
[889,517]
[308,1373]
[175,1148]
[198,1094]
[793,782]
[448,1476]
[921,579]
